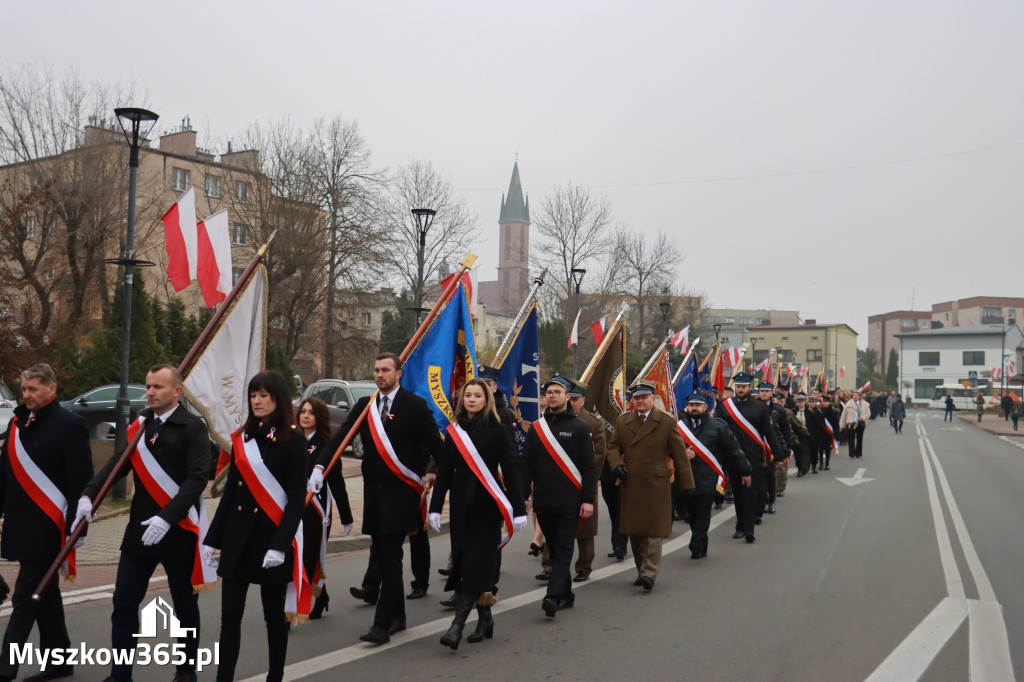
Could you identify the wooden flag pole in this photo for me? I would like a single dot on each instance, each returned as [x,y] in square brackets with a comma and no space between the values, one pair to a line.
[686,360]
[654,359]
[517,323]
[605,344]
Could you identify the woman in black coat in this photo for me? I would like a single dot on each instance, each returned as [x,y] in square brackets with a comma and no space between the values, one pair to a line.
[475,517]
[315,422]
[254,549]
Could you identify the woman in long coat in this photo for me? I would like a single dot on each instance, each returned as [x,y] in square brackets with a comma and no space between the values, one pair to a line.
[254,549]
[475,518]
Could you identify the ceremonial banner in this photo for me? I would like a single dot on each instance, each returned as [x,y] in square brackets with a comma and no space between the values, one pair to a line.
[180,240]
[518,376]
[444,361]
[213,269]
[660,374]
[865,387]
[597,329]
[681,340]
[218,382]
[705,383]
[606,390]
[574,336]
[687,382]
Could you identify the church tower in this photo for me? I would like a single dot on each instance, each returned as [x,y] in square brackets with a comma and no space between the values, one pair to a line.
[514,246]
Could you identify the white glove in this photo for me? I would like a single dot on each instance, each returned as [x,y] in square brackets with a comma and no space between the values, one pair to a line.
[326,521]
[155,533]
[435,521]
[84,512]
[206,552]
[78,543]
[519,523]
[348,529]
[273,558]
[316,480]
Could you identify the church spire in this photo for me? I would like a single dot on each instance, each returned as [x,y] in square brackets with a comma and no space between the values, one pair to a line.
[514,207]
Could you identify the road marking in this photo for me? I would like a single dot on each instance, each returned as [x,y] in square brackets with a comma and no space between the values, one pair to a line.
[950,428]
[954,583]
[857,478]
[1017,441]
[355,652]
[92,596]
[915,653]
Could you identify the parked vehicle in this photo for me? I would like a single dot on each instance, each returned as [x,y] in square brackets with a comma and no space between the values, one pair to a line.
[99,407]
[8,401]
[340,396]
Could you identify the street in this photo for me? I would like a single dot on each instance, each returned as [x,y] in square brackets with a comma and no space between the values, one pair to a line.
[906,570]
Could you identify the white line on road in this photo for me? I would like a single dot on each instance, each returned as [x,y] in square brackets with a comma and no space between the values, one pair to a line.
[954,583]
[989,644]
[915,653]
[92,596]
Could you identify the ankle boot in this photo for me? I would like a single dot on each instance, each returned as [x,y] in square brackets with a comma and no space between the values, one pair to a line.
[463,605]
[321,604]
[484,625]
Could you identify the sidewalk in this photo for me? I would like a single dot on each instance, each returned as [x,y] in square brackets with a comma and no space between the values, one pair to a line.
[993,423]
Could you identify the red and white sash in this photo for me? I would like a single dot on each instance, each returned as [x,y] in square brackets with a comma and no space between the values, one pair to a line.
[557,452]
[747,428]
[831,434]
[42,491]
[390,457]
[323,511]
[476,464]
[162,488]
[272,498]
[703,451]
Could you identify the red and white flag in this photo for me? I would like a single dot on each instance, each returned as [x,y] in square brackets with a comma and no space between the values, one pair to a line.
[181,240]
[469,281]
[213,269]
[1012,366]
[733,357]
[681,340]
[865,387]
[574,337]
[995,372]
[597,329]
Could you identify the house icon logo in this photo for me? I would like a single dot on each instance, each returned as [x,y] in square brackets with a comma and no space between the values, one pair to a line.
[158,614]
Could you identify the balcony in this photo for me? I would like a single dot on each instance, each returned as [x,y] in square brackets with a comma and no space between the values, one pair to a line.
[992,319]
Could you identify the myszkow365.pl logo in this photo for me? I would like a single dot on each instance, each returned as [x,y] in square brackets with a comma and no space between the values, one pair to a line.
[157,615]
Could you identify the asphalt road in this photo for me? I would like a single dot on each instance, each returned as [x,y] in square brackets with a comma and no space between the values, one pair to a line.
[910,570]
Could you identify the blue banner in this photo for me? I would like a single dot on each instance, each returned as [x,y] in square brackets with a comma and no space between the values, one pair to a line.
[444,361]
[686,384]
[518,377]
[706,385]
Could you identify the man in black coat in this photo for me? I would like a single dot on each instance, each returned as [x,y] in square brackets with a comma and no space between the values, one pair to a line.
[180,447]
[53,442]
[391,504]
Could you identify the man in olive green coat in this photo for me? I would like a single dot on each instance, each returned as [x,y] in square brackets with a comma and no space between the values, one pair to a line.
[643,442]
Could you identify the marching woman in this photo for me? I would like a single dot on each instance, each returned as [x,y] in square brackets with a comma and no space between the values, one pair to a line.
[258,524]
[482,504]
[315,422]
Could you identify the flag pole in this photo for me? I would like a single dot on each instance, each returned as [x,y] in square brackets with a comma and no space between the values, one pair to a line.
[517,323]
[686,360]
[653,359]
[122,461]
[605,344]
[464,267]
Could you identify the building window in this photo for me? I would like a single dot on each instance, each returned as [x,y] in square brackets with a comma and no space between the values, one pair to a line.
[973,357]
[924,324]
[367,319]
[760,356]
[814,355]
[1011,315]
[928,358]
[908,324]
[508,242]
[212,186]
[746,320]
[730,320]
[241,192]
[991,315]
[785,338]
[179,179]
[925,388]
[238,234]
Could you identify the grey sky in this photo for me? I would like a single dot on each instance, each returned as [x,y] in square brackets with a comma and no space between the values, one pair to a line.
[671,108]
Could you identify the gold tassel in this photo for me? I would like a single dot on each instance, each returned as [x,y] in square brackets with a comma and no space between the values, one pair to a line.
[487,599]
[205,587]
[316,590]
[69,578]
[297,618]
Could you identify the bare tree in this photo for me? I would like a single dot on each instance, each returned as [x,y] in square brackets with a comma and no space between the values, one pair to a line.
[648,268]
[421,185]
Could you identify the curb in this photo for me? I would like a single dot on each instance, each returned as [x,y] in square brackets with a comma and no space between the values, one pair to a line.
[975,424]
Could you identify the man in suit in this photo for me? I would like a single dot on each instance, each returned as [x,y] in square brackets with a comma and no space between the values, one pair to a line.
[391,489]
[180,449]
[49,447]
[643,442]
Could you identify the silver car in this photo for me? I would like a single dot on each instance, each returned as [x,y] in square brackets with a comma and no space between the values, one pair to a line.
[8,402]
[340,396]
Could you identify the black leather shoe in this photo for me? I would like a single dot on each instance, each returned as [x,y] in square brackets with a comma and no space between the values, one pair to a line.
[676,516]
[581,577]
[375,636]
[416,593]
[758,521]
[750,538]
[543,576]
[567,603]
[360,593]
[549,606]
[718,505]
[737,535]
[185,677]
[109,678]
[771,508]
[535,550]
[645,582]
[396,627]
[444,571]
[448,603]
[52,673]
[620,554]
[780,494]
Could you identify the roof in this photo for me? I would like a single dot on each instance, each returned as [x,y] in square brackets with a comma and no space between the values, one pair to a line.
[514,208]
[797,327]
[902,315]
[965,330]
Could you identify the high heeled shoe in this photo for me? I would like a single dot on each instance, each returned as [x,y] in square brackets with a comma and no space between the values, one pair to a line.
[321,604]
[463,605]
[484,625]
[535,550]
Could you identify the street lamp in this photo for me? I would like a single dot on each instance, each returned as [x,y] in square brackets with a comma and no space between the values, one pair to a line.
[717,326]
[132,121]
[424,219]
[577,278]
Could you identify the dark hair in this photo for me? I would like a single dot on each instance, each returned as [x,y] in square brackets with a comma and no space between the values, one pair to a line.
[176,378]
[320,414]
[274,383]
[391,356]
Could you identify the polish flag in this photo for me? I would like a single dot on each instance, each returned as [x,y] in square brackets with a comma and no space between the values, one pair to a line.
[213,269]
[865,387]
[995,372]
[842,371]
[1012,366]
[181,240]
[681,340]
[733,356]
[597,329]
[574,337]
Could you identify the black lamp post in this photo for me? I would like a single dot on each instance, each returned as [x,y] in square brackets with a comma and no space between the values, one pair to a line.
[136,125]
[577,278]
[424,219]
[717,326]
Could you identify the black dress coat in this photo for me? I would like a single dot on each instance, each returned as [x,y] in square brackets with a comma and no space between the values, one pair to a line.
[475,519]
[243,531]
[390,505]
[312,526]
[58,442]
[182,449]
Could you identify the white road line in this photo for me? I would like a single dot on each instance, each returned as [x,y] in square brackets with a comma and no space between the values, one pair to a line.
[915,653]
[989,644]
[318,664]
[92,596]
[954,583]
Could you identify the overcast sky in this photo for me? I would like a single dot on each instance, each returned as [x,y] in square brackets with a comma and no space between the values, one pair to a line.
[837,158]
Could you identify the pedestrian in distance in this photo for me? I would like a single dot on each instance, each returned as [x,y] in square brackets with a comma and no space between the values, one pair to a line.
[853,421]
[979,401]
[899,413]
[950,406]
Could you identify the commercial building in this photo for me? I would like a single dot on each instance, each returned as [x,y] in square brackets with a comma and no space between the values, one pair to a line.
[817,347]
[882,331]
[735,322]
[978,310]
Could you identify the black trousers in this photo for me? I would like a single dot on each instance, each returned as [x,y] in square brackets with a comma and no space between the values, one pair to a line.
[232,608]
[47,613]
[133,574]
[769,481]
[559,526]
[806,457]
[700,520]
[759,482]
[824,455]
[384,579]
[856,436]
[419,557]
[611,494]
[743,500]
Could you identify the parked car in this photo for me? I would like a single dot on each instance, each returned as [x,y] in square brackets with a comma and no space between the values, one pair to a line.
[99,407]
[340,396]
[8,401]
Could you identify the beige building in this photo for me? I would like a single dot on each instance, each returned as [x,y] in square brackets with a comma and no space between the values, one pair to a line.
[977,310]
[810,345]
[734,321]
[883,330]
